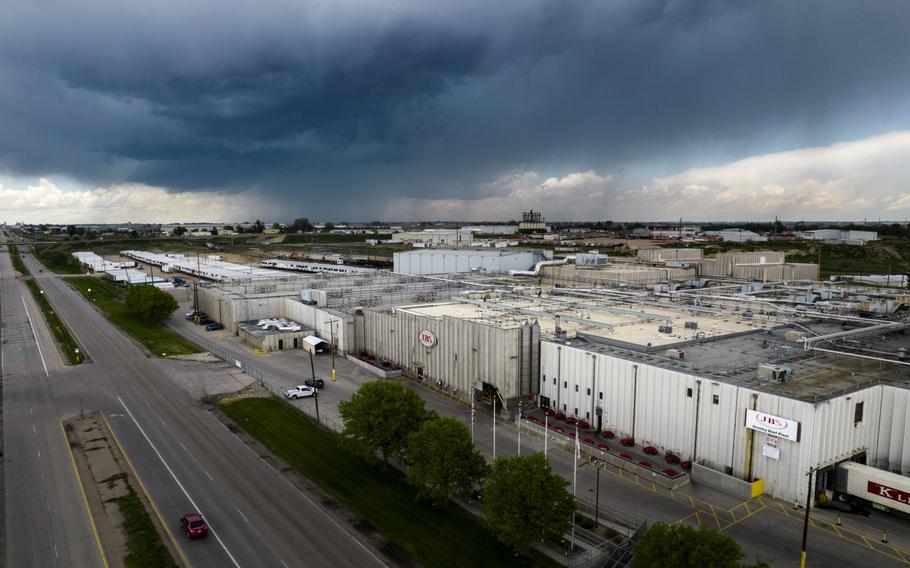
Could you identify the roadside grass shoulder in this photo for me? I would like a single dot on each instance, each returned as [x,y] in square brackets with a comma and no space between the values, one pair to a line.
[156,337]
[145,549]
[14,257]
[61,333]
[57,258]
[433,535]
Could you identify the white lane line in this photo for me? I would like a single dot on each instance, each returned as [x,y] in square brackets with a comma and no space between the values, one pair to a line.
[184,447]
[38,345]
[180,485]
[39,454]
[285,564]
[56,555]
[242,515]
[325,513]
[34,431]
[207,475]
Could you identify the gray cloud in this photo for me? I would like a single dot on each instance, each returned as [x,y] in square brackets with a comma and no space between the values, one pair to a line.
[324,109]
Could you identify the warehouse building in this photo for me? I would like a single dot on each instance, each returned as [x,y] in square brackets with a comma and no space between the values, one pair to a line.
[838,236]
[833,396]
[435,238]
[449,261]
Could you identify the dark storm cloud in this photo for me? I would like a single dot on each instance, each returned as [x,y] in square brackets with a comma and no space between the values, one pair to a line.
[433,99]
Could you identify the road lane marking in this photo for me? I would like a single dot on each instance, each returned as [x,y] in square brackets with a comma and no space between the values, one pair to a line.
[325,513]
[88,510]
[285,564]
[34,431]
[180,485]
[184,447]
[207,475]
[242,515]
[39,454]
[145,491]
[38,345]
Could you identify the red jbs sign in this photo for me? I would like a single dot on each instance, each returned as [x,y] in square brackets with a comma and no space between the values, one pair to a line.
[888,492]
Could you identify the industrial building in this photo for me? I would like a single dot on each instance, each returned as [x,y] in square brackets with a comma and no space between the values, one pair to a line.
[314,267]
[210,267]
[123,272]
[435,238]
[532,222]
[838,236]
[449,261]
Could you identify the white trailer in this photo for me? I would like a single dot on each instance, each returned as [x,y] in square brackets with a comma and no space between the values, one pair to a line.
[877,486]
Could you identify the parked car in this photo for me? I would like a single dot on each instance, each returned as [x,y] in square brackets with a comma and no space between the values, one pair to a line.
[318,383]
[300,391]
[194,525]
[190,314]
[214,326]
[204,320]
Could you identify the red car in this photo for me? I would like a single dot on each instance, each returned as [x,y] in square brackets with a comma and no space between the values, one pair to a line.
[194,525]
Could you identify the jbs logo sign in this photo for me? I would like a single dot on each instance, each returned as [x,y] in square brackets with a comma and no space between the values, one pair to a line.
[888,492]
[427,338]
[772,425]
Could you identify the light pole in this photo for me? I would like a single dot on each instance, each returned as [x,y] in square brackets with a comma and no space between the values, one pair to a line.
[315,389]
[494,426]
[519,428]
[802,557]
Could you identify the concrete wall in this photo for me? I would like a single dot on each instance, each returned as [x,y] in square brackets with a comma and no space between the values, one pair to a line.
[321,321]
[738,488]
[568,275]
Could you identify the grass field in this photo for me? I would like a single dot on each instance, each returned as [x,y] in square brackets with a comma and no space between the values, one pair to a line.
[878,257]
[155,337]
[17,260]
[57,258]
[432,535]
[145,549]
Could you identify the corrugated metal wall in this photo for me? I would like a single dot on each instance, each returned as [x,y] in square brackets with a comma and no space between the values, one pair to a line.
[577,381]
[465,352]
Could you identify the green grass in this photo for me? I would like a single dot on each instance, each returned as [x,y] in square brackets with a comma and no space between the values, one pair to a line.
[59,330]
[432,535]
[57,258]
[156,337]
[144,546]
[17,260]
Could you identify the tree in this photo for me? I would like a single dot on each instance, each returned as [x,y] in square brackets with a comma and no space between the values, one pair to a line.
[150,303]
[228,228]
[257,227]
[179,231]
[328,227]
[524,502]
[380,417]
[214,230]
[682,546]
[301,225]
[444,462]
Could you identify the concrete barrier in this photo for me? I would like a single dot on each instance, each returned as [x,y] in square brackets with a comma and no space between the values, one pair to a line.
[378,371]
[727,483]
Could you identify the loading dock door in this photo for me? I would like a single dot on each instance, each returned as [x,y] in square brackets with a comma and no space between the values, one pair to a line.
[280,344]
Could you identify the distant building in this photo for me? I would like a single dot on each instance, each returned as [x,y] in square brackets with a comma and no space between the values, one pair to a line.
[443,261]
[838,236]
[435,238]
[492,229]
[532,222]
[737,235]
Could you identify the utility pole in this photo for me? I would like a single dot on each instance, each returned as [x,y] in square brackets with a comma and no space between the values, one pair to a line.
[546,431]
[315,390]
[597,496]
[802,558]
[494,426]
[332,334]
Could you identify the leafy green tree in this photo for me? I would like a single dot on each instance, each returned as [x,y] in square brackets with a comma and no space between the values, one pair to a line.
[444,463]
[301,225]
[257,227]
[179,231]
[328,228]
[150,303]
[683,546]
[524,502]
[380,417]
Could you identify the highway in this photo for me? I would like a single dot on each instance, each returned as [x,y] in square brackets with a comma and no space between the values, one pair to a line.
[185,457]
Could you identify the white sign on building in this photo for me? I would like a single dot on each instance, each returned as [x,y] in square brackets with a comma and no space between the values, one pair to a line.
[427,338]
[772,425]
[771,448]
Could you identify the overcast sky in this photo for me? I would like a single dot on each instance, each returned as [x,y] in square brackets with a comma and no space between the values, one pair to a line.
[454,109]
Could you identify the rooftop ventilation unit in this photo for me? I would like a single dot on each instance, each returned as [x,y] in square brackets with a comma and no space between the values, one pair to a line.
[675,354]
[691,325]
[774,373]
[665,329]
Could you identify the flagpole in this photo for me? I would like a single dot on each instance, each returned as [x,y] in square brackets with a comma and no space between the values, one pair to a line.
[494,426]
[546,431]
[472,417]
[519,428]
[574,478]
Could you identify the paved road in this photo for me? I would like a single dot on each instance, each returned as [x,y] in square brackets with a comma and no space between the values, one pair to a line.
[186,458]
[46,523]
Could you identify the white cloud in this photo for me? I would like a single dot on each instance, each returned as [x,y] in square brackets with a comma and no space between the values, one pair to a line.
[47,203]
[850,180]
[579,195]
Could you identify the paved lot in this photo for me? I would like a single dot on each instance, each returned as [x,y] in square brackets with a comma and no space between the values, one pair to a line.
[764,527]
